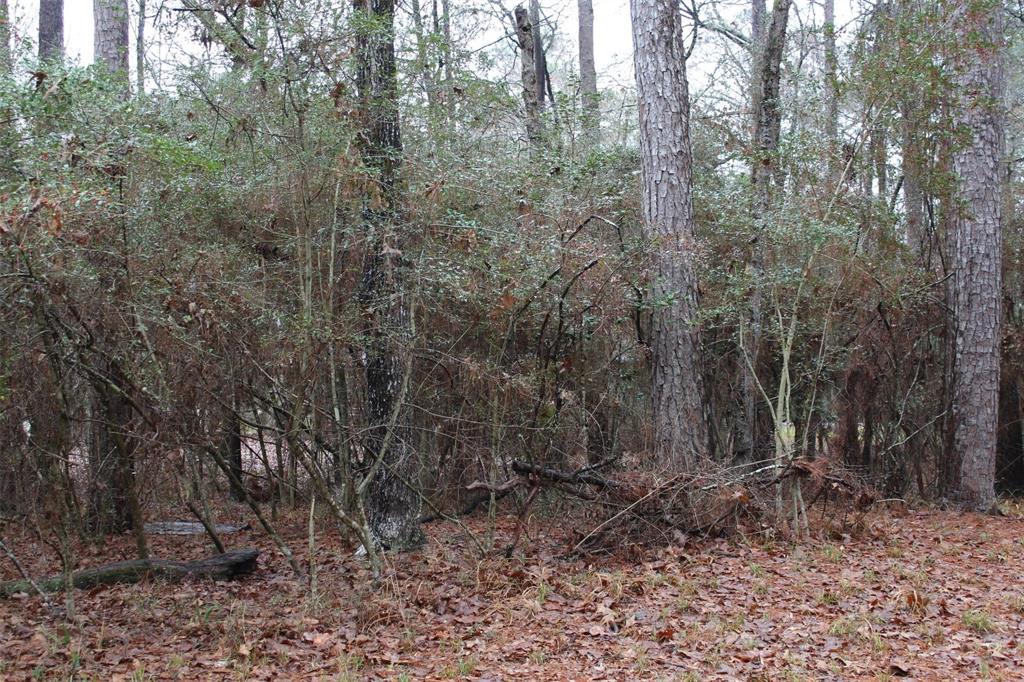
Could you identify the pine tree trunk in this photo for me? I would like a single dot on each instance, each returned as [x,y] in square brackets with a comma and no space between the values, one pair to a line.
[677,387]
[140,50]
[51,29]
[393,506]
[110,37]
[976,249]
[588,74]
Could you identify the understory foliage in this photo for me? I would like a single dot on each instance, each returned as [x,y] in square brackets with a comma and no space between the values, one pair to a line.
[181,274]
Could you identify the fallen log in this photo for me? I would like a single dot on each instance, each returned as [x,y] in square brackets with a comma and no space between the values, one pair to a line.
[219,567]
[189,528]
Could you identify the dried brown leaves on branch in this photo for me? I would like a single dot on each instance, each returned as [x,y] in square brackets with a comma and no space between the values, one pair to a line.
[644,507]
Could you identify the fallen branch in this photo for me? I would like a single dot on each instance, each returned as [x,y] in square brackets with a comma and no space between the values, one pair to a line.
[27,578]
[220,567]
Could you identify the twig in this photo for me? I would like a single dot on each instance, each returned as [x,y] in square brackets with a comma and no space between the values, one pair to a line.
[25,575]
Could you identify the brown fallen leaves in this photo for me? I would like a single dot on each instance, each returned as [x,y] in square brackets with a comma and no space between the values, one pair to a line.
[931,595]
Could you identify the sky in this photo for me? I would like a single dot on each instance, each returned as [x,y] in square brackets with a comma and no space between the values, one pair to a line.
[612,32]
[611,29]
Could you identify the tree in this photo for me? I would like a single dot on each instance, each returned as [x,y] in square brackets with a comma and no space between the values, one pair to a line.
[767,129]
[110,37]
[5,39]
[393,506]
[976,248]
[531,85]
[140,49]
[588,72]
[677,386]
[51,29]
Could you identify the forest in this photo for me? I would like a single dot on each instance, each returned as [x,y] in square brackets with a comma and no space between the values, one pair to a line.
[560,340]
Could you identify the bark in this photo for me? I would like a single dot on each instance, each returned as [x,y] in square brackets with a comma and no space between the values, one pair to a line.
[51,29]
[423,65]
[588,73]
[916,234]
[539,59]
[758,13]
[446,33]
[116,503]
[5,39]
[231,442]
[767,130]
[140,50]
[220,567]
[527,56]
[677,388]
[393,507]
[913,114]
[976,251]
[831,93]
[110,37]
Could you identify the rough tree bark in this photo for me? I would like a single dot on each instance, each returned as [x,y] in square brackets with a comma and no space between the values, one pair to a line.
[140,50]
[5,39]
[539,58]
[115,503]
[527,56]
[677,387]
[831,93]
[110,37]
[976,248]
[393,507]
[51,29]
[588,73]
[912,150]
[767,129]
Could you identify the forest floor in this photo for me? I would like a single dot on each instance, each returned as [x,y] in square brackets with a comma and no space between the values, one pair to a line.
[920,594]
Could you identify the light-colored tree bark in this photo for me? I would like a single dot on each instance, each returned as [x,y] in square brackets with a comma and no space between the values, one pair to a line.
[110,37]
[588,73]
[51,29]
[424,68]
[677,387]
[393,507]
[527,56]
[976,247]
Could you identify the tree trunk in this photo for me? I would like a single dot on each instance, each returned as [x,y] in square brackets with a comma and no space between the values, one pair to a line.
[524,35]
[110,37]
[5,39]
[393,507]
[831,95]
[140,50]
[51,29]
[231,443]
[424,68]
[677,388]
[976,253]
[116,503]
[588,74]
[916,235]
[220,567]
[539,60]
[767,130]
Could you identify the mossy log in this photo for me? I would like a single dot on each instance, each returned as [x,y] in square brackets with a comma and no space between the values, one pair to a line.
[218,567]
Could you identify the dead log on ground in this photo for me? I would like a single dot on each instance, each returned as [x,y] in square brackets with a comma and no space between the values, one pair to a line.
[220,567]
